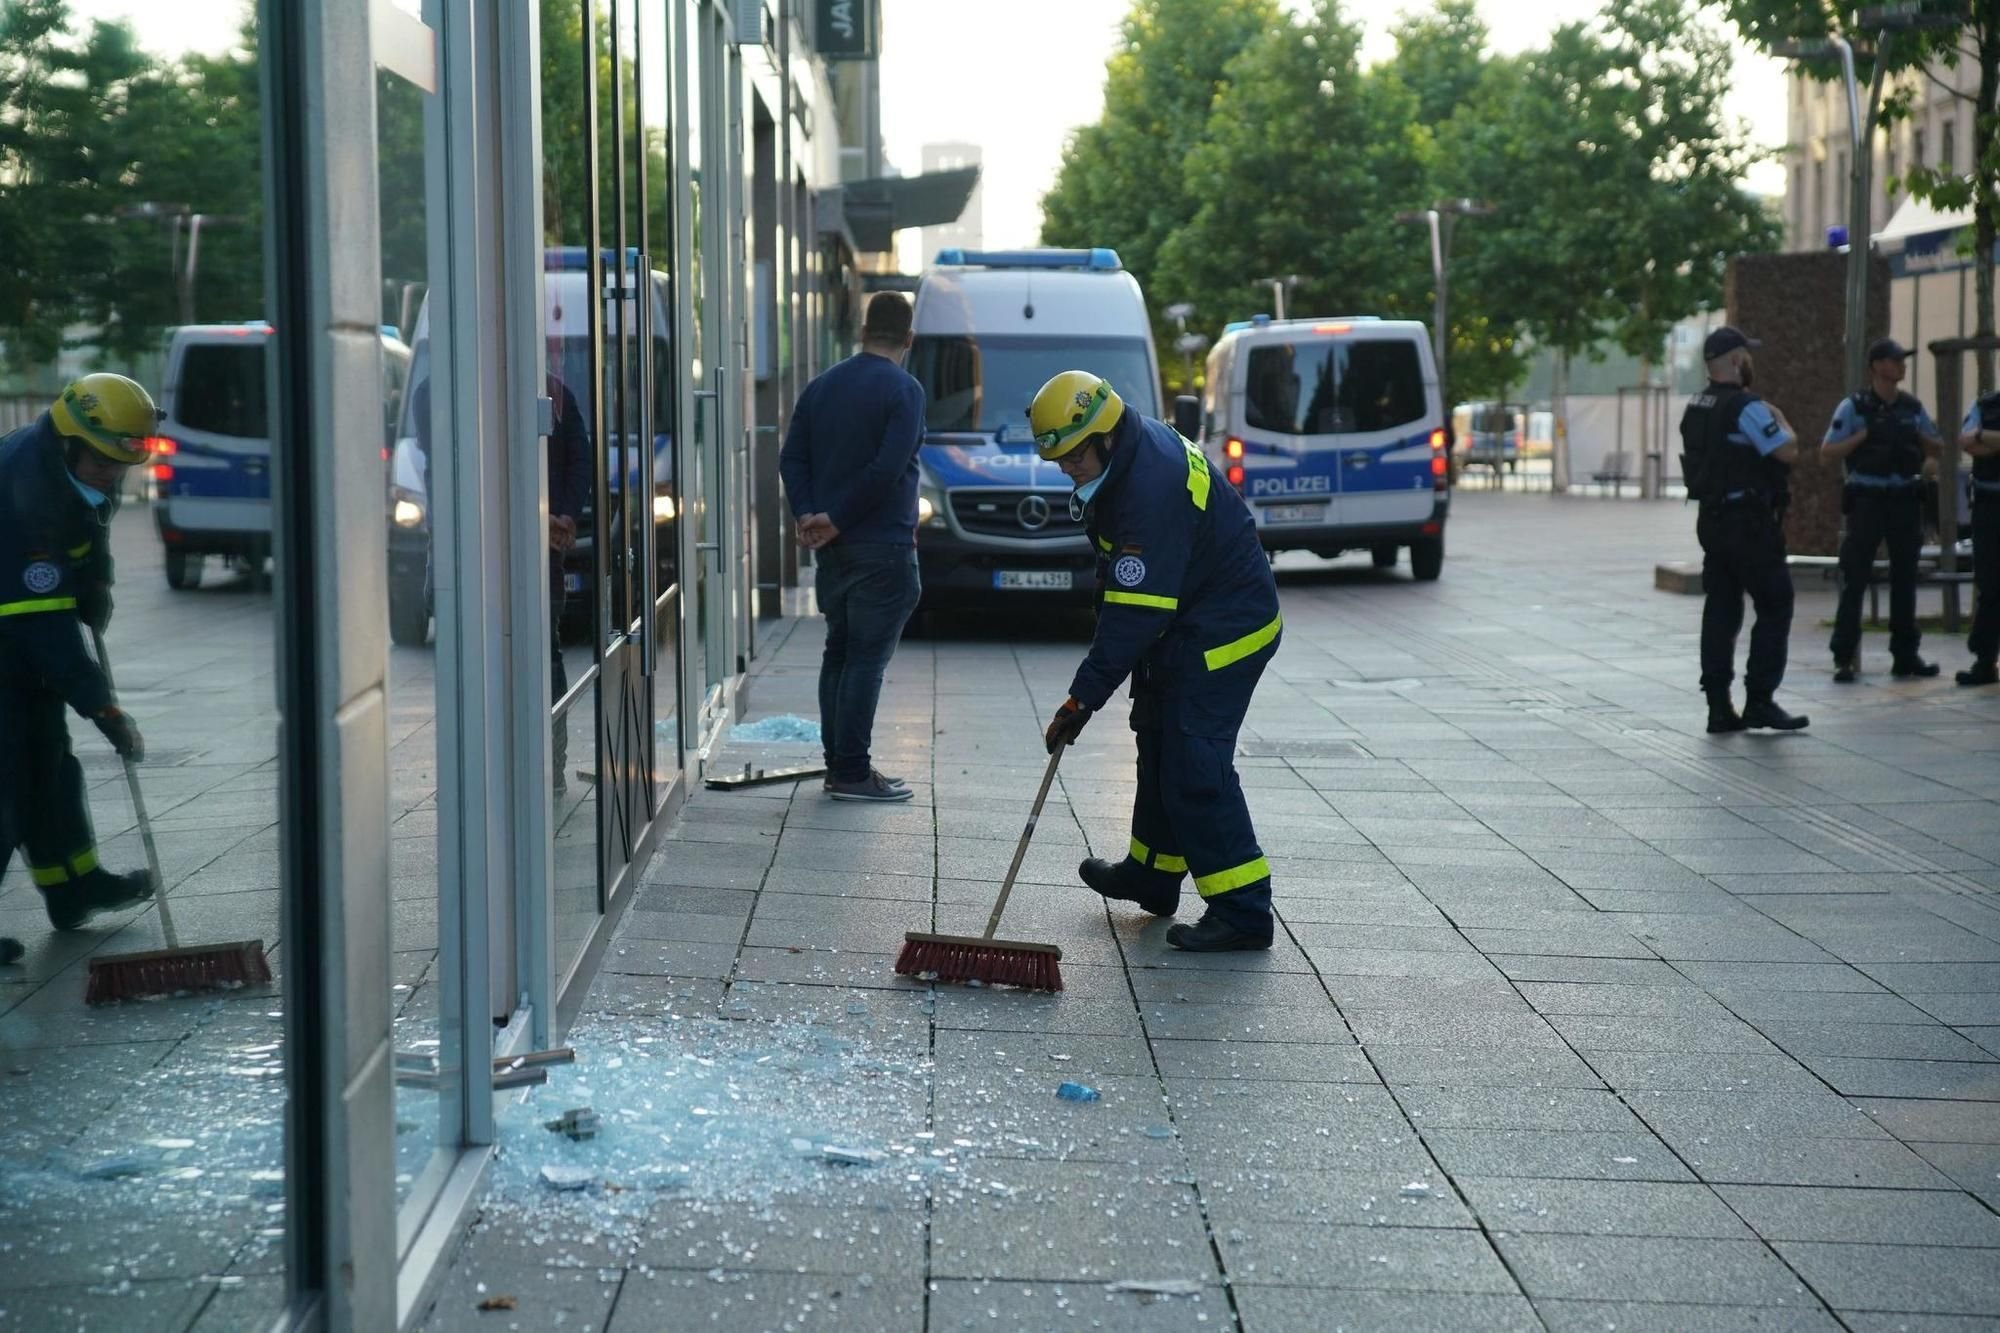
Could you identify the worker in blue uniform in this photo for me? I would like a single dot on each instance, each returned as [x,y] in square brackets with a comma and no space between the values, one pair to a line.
[1188,609]
[59,482]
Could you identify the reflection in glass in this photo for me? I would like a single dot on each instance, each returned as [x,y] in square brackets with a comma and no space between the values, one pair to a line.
[142,1150]
[656,89]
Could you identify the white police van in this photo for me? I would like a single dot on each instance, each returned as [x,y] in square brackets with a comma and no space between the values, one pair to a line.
[211,474]
[1334,432]
[991,328]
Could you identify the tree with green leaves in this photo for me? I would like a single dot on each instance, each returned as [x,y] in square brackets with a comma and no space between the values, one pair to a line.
[1895,65]
[1119,184]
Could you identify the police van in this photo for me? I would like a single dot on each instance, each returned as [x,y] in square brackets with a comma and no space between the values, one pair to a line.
[644,467]
[1334,432]
[991,327]
[211,475]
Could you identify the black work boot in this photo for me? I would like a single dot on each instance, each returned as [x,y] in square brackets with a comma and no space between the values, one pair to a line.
[1109,881]
[1845,671]
[1765,714]
[1722,716]
[71,905]
[1216,934]
[1983,672]
[1913,665]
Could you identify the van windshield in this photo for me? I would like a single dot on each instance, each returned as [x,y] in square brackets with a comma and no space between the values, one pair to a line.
[1328,387]
[984,384]
[221,389]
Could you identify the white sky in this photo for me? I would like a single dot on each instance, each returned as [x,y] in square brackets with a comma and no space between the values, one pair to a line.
[1018,87]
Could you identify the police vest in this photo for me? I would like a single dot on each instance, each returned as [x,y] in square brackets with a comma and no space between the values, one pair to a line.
[1986,471]
[1715,466]
[1894,447]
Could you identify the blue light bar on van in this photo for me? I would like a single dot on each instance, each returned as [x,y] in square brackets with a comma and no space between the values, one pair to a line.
[1099,260]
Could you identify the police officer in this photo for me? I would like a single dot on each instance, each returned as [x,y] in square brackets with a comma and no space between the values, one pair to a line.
[59,481]
[1187,607]
[1883,434]
[1979,437]
[1737,451]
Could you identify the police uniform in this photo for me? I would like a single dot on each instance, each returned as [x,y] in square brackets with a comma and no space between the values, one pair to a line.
[1188,609]
[1883,502]
[1730,436]
[54,558]
[1984,641]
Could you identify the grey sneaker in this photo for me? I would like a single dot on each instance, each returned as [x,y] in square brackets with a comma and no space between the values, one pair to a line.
[876,773]
[874,787]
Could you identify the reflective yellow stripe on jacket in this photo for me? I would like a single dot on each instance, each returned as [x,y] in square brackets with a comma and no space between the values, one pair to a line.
[1142,599]
[1238,649]
[34,604]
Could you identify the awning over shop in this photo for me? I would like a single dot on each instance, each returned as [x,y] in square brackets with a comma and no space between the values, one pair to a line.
[1918,217]
[868,213]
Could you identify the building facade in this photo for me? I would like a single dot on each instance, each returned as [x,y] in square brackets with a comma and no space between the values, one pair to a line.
[968,232]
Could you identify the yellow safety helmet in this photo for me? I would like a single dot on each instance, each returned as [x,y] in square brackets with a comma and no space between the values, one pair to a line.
[110,413]
[1069,409]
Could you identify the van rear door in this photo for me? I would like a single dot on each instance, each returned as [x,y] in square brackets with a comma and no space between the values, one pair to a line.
[220,428]
[1386,419]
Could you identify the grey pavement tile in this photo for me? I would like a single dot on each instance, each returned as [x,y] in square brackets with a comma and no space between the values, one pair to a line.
[1312,1023]
[1704,1071]
[810,966]
[1062,1222]
[1491,995]
[1563,1155]
[1236,1200]
[1793,1006]
[1515,1108]
[1290,1253]
[1916,1323]
[1875,1041]
[649,995]
[1565,997]
[1860,1163]
[1961,1009]
[1490,1067]
[1600,1207]
[171,1304]
[669,958]
[1439,938]
[1663,1269]
[1251,990]
[1909,1078]
[736,1302]
[1020,1011]
[1698,939]
[659,921]
[964,1053]
[1020,1115]
[957,1303]
[1431,1028]
[1899,1277]
[1607,940]
[805,881]
[1465,965]
[1973,1167]
[1685,1118]
[1587,971]
[538,1298]
[786,1236]
[1806,1316]
[1935,977]
[1864,1216]
[1592,1033]
[1258,1062]
[1935,1121]
[1305,1310]
[1986,1038]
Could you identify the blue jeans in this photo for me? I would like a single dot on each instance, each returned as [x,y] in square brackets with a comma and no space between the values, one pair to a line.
[866,594]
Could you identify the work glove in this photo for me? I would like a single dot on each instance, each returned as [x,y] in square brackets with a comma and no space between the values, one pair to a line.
[1067,726]
[93,605]
[123,733]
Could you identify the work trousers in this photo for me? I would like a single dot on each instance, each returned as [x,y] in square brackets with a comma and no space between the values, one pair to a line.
[43,809]
[1984,641]
[1743,554]
[1189,816]
[1877,517]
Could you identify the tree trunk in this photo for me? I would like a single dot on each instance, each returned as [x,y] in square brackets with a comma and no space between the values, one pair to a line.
[1982,195]
[1559,447]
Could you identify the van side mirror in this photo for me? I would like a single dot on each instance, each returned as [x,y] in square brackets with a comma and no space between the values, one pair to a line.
[1187,416]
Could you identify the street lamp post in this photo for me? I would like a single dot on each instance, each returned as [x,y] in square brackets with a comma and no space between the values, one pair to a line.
[182,267]
[1441,219]
[1281,287]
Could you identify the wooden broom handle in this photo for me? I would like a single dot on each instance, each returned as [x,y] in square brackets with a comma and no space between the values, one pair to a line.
[1021,850]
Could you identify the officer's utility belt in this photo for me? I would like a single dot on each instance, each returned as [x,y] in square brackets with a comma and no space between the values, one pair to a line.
[1744,500]
[1877,481]
[1986,487]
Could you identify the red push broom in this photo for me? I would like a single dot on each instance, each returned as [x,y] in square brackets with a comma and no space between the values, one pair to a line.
[981,957]
[154,972]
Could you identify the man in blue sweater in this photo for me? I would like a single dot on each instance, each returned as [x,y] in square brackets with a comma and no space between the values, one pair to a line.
[850,471]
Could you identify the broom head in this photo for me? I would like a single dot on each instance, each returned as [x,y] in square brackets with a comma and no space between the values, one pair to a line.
[158,972]
[976,958]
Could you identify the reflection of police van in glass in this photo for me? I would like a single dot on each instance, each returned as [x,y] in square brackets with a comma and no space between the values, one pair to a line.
[566,334]
[211,481]
[1333,431]
[991,328]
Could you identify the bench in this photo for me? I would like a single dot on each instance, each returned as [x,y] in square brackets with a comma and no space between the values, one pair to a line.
[1928,576]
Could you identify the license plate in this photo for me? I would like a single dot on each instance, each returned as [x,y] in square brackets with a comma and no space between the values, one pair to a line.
[1293,513]
[572,583]
[1046,579]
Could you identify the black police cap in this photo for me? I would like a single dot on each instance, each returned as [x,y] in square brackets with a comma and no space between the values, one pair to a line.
[1724,341]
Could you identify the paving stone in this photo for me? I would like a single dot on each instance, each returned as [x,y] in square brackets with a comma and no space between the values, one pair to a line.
[1704,1071]
[1305,1310]
[1064,1222]
[1490,1067]
[1587,971]
[1974,1167]
[1793,1006]
[1593,1033]
[540,1298]
[1877,1041]
[1600,1207]
[1899,1277]
[1666,1269]
[1562,997]
[1864,1216]
[1641,1317]
[1909,1078]
[962,1304]
[1238,1200]
[736,1302]
[155,1304]
[1368,1258]
[1686,1118]
[1490,995]
[1868,1163]
[1253,1061]
[1935,1121]
[1936,977]
[1959,1008]
[1310,1023]
[1555,1109]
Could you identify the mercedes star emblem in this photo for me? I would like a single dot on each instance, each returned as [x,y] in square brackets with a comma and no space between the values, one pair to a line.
[1033,513]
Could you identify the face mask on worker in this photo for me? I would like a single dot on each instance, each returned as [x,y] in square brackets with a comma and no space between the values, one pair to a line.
[98,499]
[1079,499]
